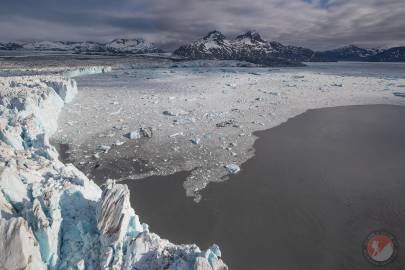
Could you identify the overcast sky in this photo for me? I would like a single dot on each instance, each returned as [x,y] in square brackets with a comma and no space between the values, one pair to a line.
[317,24]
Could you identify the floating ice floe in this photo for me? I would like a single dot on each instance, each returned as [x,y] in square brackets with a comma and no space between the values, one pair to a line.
[133,135]
[232,85]
[104,148]
[184,120]
[175,112]
[121,127]
[232,168]
[146,132]
[176,134]
[142,132]
[118,143]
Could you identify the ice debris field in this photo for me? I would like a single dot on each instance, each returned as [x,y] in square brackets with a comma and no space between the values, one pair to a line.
[51,215]
[158,121]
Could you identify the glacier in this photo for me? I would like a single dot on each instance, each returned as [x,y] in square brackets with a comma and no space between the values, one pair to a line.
[51,215]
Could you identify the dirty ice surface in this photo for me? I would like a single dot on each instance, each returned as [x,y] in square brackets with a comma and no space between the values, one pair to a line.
[162,120]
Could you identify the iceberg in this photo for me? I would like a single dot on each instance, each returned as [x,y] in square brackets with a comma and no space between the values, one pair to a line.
[232,168]
[51,215]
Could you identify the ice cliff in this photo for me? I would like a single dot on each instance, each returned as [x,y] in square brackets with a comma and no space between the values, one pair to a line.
[51,215]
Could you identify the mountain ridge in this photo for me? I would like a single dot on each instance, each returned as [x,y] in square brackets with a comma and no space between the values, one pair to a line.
[216,46]
[248,46]
[116,46]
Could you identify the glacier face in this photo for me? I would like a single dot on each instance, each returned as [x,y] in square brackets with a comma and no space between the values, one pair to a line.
[51,215]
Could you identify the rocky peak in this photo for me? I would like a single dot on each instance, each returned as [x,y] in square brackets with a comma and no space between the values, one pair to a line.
[252,35]
[214,35]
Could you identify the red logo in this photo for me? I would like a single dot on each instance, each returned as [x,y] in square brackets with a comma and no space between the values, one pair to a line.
[380,248]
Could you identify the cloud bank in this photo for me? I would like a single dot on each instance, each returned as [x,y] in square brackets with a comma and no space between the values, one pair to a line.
[317,24]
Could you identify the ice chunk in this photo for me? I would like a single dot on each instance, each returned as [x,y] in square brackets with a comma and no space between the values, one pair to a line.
[142,132]
[175,112]
[104,148]
[118,143]
[19,249]
[146,132]
[232,168]
[202,263]
[184,120]
[226,123]
[66,89]
[176,134]
[114,214]
[120,127]
[13,187]
[133,135]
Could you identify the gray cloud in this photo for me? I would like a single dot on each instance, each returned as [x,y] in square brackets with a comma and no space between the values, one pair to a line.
[317,24]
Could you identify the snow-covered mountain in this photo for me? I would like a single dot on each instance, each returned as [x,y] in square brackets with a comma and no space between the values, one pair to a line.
[212,46]
[131,46]
[10,46]
[347,53]
[250,47]
[117,46]
[47,46]
[253,48]
[247,47]
[396,54]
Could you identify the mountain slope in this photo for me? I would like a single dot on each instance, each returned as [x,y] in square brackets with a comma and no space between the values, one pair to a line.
[10,46]
[347,53]
[396,54]
[134,46]
[212,46]
[251,47]
[246,47]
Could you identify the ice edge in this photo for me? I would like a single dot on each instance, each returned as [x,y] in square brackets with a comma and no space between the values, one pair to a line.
[51,215]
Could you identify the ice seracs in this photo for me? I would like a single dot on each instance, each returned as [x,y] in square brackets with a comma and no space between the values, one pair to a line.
[18,246]
[51,215]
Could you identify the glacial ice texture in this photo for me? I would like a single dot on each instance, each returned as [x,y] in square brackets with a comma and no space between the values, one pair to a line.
[51,215]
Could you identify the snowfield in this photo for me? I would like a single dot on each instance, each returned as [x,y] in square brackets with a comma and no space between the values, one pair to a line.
[201,119]
[51,215]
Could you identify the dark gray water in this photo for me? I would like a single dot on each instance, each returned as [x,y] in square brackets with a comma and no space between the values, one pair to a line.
[317,186]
